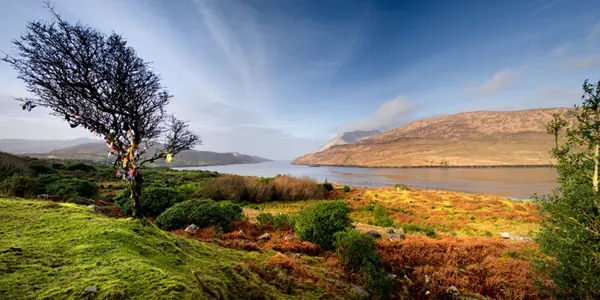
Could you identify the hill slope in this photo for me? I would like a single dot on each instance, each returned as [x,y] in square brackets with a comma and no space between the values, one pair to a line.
[484,138]
[20,146]
[349,138]
[98,151]
[55,251]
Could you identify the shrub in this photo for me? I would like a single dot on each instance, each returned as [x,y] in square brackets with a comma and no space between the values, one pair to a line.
[400,187]
[81,167]
[12,164]
[346,189]
[229,187]
[58,166]
[41,169]
[358,253]
[20,186]
[327,186]
[279,221]
[123,201]
[155,200]
[381,217]
[319,223]
[73,187]
[288,188]
[429,231]
[202,213]
[192,190]
[355,249]
[81,200]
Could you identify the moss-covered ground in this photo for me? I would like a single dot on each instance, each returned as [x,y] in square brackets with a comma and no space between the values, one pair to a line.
[55,251]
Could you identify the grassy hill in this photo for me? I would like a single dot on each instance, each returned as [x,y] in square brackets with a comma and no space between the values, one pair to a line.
[55,251]
[98,151]
[483,138]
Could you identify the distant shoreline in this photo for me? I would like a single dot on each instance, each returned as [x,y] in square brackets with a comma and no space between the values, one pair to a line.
[429,167]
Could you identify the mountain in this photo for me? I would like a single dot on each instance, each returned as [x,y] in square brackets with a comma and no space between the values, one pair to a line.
[349,138]
[483,138]
[88,149]
[20,146]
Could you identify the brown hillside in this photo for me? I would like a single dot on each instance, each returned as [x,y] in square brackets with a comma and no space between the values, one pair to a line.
[484,138]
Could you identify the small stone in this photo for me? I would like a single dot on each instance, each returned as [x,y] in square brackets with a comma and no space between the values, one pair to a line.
[180,245]
[453,292]
[426,278]
[91,289]
[391,230]
[96,208]
[241,232]
[288,238]
[396,236]
[373,233]
[359,291]
[192,228]
[264,236]
[505,235]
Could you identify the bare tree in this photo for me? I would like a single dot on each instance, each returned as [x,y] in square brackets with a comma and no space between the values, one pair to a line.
[97,81]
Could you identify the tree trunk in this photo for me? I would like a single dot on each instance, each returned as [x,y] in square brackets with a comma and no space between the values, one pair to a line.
[595,180]
[136,193]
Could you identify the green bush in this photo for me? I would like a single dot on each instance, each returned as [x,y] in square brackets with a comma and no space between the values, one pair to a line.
[156,200]
[192,190]
[123,201]
[73,187]
[358,253]
[11,164]
[47,179]
[429,231]
[381,217]
[356,249]
[327,186]
[346,189]
[202,213]
[41,169]
[80,167]
[279,221]
[20,186]
[319,223]
[58,166]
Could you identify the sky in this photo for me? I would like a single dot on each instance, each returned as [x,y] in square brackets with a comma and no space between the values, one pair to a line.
[279,78]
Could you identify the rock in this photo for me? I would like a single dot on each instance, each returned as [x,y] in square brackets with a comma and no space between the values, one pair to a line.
[359,291]
[91,289]
[373,233]
[192,228]
[521,237]
[505,235]
[396,236]
[288,238]
[264,236]
[241,232]
[391,230]
[96,208]
[180,245]
[453,292]
[426,278]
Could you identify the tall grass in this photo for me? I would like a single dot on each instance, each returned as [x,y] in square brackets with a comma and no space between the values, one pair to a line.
[281,188]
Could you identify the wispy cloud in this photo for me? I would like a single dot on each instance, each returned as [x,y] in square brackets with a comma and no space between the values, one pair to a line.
[499,82]
[583,63]
[594,33]
[390,114]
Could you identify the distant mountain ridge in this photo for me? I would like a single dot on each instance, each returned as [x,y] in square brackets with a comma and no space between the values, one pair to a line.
[350,137]
[482,138]
[20,146]
[97,151]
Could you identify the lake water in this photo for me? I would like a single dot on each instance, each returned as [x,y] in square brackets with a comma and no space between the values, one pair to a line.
[508,182]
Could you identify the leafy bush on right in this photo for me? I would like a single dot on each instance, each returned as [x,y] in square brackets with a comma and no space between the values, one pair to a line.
[358,253]
[202,213]
[570,233]
[319,223]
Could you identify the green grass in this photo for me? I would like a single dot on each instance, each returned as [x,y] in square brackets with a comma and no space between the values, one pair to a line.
[54,251]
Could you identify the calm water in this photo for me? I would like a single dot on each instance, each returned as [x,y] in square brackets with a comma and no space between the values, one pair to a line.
[510,182]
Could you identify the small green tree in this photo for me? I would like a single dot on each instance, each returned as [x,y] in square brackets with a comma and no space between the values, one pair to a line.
[570,233]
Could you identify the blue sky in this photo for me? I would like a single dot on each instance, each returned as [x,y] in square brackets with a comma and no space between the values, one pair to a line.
[278,78]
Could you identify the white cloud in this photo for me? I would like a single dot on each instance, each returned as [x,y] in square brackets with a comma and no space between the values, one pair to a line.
[499,82]
[390,114]
[582,63]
